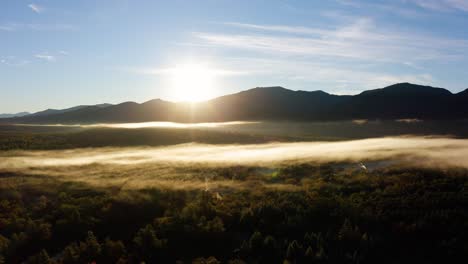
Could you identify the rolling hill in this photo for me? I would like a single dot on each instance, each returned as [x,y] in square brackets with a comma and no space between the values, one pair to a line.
[14,115]
[398,101]
[61,111]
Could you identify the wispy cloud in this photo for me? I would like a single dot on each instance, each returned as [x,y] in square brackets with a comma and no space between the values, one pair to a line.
[396,7]
[175,70]
[48,56]
[441,5]
[429,4]
[353,3]
[36,8]
[278,28]
[459,4]
[6,28]
[49,27]
[402,6]
[362,39]
[37,27]
[44,56]
[13,61]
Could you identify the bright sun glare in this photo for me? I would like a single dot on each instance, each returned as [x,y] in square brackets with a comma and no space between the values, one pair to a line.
[192,82]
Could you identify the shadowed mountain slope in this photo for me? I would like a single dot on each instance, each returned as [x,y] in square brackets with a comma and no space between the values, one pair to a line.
[403,100]
[71,109]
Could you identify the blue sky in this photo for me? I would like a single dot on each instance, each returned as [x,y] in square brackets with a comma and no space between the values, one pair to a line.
[57,54]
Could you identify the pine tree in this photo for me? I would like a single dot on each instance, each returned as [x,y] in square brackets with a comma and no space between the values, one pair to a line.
[256,241]
[41,258]
[90,249]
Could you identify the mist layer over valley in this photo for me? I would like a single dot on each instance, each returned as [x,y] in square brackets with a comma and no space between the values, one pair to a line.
[437,151]
[172,164]
[151,154]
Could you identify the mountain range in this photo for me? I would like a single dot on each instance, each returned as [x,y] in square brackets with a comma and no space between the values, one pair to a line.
[14,115]
[398,101]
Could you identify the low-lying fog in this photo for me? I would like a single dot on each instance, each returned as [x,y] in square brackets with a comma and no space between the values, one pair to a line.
[425,150]
[300,131]
[150,124]
[201,166]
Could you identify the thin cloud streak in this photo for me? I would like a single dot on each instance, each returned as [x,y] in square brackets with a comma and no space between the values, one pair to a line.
[6,28]
[459,4]
[36,8]
[168,71]
[37,27]
[360,40]
[51,56]
[45,57]
[403,7]
[278,28]
[442,5]
[13,61]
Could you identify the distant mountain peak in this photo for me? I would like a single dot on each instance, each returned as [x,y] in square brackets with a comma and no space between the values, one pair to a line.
[408,89]
[155,101]
[314,92]
[128,103]
[464,92]
[409,85]
[269,88]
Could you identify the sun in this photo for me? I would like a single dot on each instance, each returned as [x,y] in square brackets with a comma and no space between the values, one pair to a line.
[192,82]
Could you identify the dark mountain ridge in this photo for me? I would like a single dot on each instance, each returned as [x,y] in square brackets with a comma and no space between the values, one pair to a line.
[398,101]
[60,111]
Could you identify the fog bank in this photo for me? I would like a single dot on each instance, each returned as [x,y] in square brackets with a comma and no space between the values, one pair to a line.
[425,150]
